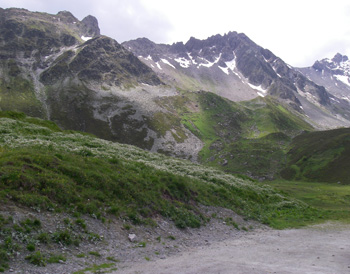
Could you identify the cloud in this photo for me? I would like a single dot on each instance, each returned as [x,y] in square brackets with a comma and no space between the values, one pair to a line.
[130,20]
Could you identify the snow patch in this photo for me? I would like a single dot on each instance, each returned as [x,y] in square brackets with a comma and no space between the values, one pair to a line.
[346,98]
[261,95]
[183,62]
[225,70]
[191,58]
[335,100]
[230,65]
[259,88]
[343,79]
[85,38]
[209,64]
[275,70]
[158,66]
[149,57]
[165,61]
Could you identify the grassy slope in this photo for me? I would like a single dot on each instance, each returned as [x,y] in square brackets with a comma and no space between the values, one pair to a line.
[333,199]
[246,138]
[42,166]
[320,156]
[17,93]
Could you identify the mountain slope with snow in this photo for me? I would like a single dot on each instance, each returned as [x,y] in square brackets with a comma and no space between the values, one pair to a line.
[236,68]
[333,74]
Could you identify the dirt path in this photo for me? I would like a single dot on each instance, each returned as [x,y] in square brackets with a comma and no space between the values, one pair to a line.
[318,249]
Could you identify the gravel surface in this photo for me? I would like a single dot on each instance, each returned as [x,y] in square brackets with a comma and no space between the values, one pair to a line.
[317,249]
[115,250]
[217,247]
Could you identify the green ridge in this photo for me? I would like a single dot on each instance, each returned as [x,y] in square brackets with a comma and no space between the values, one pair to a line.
[322,156]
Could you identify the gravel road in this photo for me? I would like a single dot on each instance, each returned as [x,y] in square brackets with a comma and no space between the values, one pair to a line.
[317,249]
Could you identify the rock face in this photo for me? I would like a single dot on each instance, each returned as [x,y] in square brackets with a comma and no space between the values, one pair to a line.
[59,68]
[334,74]
[235,67]
[154,96]
[90,26]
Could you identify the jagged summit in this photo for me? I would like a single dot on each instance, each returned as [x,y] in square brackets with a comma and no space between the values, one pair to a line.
[231,65]
[338,58]
[339,65]
[334,74]
[91,26]
[147,94]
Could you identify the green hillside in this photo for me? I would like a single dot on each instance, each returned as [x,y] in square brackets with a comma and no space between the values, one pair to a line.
[322,156]
[45,167]
[248,138]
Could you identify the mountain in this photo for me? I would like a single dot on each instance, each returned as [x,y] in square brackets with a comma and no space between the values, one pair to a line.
[223,101]
[333,74]
[236,68]
[62,69]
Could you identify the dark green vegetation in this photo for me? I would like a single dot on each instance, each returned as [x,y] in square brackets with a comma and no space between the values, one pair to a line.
[320,157]
[17,94]
[332,199]
[248,138]
[102,179]
[28,234]
[47,169]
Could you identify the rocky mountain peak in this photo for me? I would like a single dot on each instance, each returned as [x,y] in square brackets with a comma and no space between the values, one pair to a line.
[67,17]
[338,58]
[336,65]
[90,26]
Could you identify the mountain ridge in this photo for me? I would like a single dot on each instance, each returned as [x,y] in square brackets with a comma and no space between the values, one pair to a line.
[236,68]
[333,73]
[157,98]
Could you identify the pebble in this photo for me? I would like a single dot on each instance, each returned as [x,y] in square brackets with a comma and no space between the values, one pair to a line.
[132,237]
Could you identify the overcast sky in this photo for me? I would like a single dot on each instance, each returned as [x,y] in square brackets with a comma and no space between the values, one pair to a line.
[298,31]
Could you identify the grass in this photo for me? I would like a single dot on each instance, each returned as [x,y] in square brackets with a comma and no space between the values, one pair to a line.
[45,168]
[96,175]
[320,156]
[95,253]
[249,138]
[18,94]
[332,199]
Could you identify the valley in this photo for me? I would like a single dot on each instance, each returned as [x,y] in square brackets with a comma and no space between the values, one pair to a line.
[213,142]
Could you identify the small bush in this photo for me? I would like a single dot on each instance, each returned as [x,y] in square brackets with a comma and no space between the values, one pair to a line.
[44,238]
[55,259]
[95,253]
[37,259]
[81,223]
[112,259]
[141,244]
[30,247]
[63,237]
